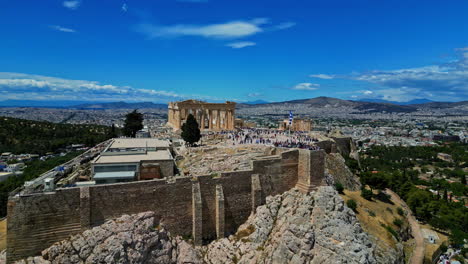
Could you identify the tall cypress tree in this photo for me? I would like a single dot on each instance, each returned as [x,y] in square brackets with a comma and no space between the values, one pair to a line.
[133,123]
[190,131]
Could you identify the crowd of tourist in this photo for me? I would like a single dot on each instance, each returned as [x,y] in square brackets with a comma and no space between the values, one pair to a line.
[277,138]
[446,257]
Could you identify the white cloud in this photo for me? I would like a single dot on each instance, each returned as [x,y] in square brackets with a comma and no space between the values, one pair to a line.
[284,25]
[241,44]
[227,30]
[254,94]
[306,86]
[62,29]
[440,82]
[367,92]
[322,76]
[37,86]
[72,4]
[124,7]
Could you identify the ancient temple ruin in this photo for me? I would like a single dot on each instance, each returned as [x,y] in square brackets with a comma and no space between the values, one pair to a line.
[210,116]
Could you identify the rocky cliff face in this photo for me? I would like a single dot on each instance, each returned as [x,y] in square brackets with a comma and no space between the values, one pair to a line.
[338,171]
[290,228]
[128,239]
[296,228]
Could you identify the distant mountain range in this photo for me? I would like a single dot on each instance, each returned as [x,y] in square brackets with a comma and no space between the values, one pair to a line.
[412,102]
[256,102]
[120,105]
[368,105]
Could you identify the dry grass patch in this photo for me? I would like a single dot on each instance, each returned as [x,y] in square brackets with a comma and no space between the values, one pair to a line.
[374,216]
[245,232]
[3,233]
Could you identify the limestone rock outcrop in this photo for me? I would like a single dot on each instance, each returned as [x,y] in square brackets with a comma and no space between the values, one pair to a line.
[296,228]
[335,167]
[292,227]
[128,239]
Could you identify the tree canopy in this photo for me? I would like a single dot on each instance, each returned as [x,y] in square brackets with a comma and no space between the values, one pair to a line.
[39,137]
[397,168]
[190,131]
[133,123]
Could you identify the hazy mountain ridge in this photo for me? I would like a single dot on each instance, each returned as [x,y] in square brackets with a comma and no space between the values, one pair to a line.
[324,102]
[411,102]
[370,107]
[120,105]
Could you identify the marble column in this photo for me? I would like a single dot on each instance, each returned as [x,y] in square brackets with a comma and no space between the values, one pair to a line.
[210,119]
[169,116]
[202,121]
[229,120]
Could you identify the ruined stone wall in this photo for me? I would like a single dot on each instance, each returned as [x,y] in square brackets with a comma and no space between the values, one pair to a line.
[171,202]
[37,221]
[345,145]
[167,167]
[204,207]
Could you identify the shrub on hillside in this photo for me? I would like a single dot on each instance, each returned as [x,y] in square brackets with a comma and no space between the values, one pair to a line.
[383,197]
[339,187]
[400,211]
[398,222]
[352,205]
[366,194]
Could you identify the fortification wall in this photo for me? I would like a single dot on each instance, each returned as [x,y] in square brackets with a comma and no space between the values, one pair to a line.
[171,202]
[37,221]
[344,145]
[204,207]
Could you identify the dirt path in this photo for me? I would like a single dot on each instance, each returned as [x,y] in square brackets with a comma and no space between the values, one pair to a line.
[418,253]
[3,228]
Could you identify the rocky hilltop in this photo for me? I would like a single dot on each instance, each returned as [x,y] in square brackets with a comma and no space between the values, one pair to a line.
[296,228]
[290,228]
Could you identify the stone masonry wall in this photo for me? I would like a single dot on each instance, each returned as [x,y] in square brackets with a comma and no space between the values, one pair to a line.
[37,221]
[189,206]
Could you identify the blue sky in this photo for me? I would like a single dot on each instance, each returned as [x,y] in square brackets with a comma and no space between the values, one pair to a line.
[166,50]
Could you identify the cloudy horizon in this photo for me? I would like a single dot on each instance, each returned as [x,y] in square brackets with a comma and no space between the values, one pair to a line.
[243,51]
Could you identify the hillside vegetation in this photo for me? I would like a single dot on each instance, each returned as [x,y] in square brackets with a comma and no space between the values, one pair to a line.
[35,137]
[384,220]
[33,170]
[412,172]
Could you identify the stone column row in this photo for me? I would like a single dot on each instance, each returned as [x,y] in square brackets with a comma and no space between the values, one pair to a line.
[218,119]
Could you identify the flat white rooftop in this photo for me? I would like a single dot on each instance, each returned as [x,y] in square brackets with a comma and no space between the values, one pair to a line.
[118,143]
[114,175]
[149,156]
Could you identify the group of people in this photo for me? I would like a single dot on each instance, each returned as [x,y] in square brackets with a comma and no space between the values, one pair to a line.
[445,258]
[275,138]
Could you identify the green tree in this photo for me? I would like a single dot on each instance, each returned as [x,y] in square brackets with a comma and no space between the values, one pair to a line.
[366,194]
[352,205]
[190,131]
[458,189]
[463,179]
[113,132]
[133,123]
[457,237]
[339,187]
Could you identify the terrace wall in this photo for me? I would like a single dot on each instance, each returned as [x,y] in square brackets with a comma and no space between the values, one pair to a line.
[203,207]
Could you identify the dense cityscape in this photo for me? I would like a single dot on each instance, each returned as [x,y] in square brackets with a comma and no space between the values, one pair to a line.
[234,132]
[432,154]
